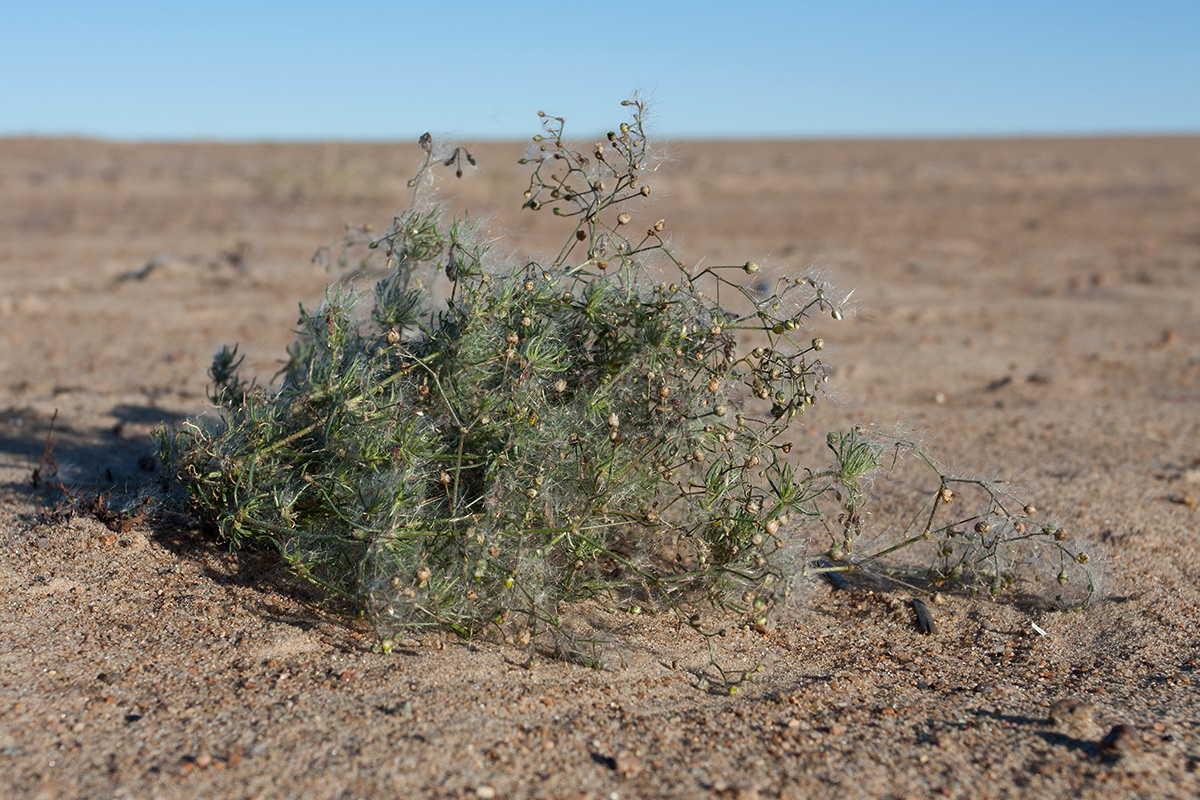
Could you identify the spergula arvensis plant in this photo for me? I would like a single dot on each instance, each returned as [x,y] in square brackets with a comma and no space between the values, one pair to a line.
[491,438]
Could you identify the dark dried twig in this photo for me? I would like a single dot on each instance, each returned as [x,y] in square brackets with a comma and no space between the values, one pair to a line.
[47,463]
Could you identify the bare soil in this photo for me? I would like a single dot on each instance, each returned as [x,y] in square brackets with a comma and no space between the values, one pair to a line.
[1029,308]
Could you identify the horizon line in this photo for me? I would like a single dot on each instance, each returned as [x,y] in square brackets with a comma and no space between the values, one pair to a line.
[768,137]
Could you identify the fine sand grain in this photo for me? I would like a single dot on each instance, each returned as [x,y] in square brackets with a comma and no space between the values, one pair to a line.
[1029,309]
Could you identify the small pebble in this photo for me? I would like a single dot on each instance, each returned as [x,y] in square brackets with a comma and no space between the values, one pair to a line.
[627,764]
[1072,714]
[925,621]
[1121,741]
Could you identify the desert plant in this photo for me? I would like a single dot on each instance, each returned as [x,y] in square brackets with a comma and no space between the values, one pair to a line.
[494,437]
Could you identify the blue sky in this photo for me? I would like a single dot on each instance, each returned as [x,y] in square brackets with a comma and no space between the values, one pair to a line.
[479,70]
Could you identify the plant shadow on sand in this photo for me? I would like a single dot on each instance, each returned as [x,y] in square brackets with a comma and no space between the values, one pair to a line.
[115,459]
[111,474]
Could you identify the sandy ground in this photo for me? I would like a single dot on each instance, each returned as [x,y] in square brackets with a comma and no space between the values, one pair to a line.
[1031,309]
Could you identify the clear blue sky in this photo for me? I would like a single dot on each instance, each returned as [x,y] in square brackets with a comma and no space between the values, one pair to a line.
[480,70]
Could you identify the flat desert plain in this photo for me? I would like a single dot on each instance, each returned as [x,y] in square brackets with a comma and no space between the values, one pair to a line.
[1030,309]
